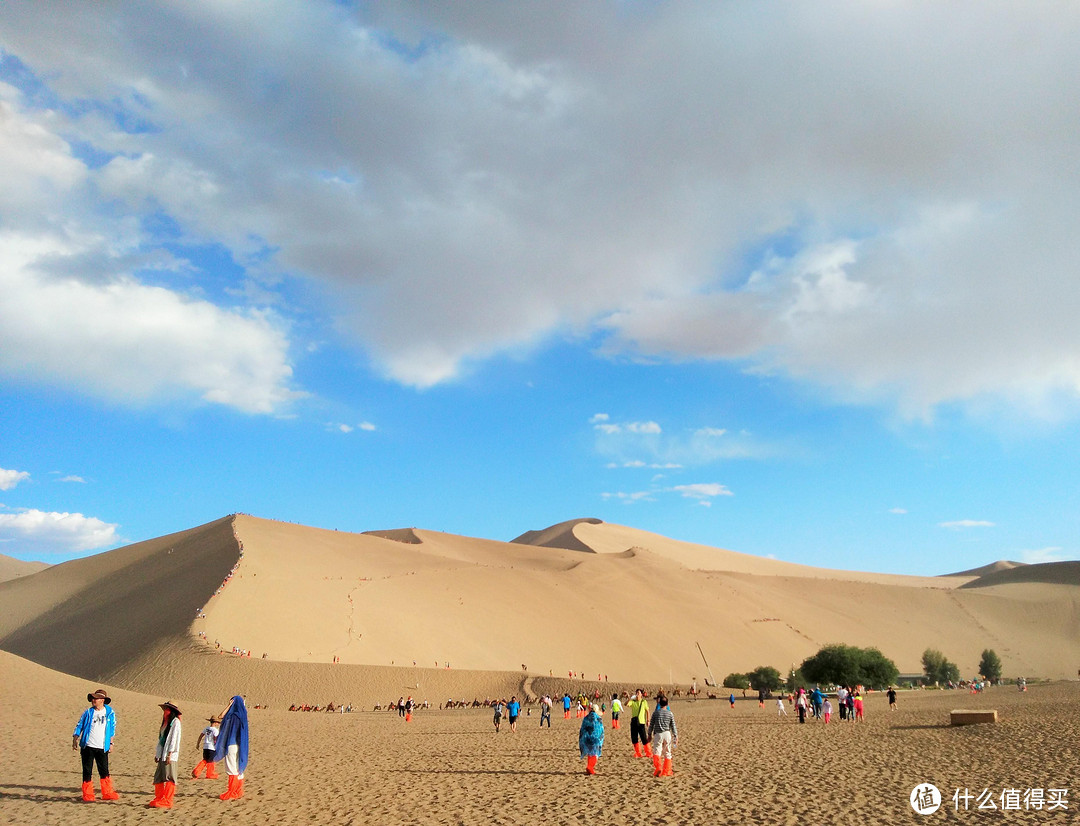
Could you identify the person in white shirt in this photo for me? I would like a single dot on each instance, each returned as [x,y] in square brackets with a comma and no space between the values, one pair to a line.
[93,737]
[166,755]
[208,743]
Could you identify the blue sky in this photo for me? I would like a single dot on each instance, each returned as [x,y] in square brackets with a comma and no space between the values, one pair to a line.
[796,282]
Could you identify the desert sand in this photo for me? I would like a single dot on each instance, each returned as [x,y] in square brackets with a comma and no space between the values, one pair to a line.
[339,615]
[732,766]
[363,619]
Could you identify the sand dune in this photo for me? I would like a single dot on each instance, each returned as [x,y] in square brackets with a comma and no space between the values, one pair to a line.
[632,610]
[993,567]
[11,568]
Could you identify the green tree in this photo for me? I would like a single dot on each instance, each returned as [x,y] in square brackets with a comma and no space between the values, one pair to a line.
[847,665]
[765,677]
[736,680]
[938,669]
[990,665]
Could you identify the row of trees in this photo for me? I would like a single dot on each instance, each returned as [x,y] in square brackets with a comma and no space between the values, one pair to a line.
[849,665]
[937,669]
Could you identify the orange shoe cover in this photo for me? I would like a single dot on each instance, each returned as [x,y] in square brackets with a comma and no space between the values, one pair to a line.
[637,749]
[211,772]
[590,764]
[667,772]
[656,765]
[202,764]
[107,790]
[88,792]
[159,796]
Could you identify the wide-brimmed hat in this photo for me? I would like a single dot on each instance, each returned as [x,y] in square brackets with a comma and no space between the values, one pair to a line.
[100,694]
[168,705]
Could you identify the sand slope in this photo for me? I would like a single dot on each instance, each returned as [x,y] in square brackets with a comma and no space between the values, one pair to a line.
[631,608]
[11,568]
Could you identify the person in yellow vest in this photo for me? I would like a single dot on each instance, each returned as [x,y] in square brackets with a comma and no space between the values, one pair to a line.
[616,710]
[639,724]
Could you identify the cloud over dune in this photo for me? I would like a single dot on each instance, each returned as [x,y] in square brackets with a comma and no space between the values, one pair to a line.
[31,532]
[879,199]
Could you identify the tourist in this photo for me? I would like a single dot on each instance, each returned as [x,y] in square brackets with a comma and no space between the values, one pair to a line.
[664,735]
[639,724]
[826,709]
[166,755]
[891,694]
[616,710]
[513,711]
[591,738]
[498,706]
[93,737]
[545,710]
[207,742]
[232,747]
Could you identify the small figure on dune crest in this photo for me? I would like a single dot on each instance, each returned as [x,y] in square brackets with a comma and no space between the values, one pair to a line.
[93,737]
[207,742]
[665,736]
[166,755]
[232,747]
[591,738]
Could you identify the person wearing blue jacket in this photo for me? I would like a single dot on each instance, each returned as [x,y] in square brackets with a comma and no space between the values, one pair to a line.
[232,746]
[93,738]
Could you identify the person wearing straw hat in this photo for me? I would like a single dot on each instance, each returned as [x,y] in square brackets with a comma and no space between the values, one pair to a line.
[232,746]
[166,755]
[93,738]
[208,743]
[591,738]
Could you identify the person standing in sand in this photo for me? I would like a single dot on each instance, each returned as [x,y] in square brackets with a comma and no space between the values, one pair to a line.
[566,706]
[498,706]
[545,710]
[93,738]
[591,738]
[616,710]
[780,707]
[891,694]
[207,742]
[639,724]
[232,747]
[665,736]
[166,755]
[513,710]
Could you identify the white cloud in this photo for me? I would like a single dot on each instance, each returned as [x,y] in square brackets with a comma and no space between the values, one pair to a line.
[629,498]
[599,417]
[705,490]
[500,177]
[348,428]
[1051,554]
[125,341]
[966,523]
[899,511]
[10,478]
[32,531]
[77,479]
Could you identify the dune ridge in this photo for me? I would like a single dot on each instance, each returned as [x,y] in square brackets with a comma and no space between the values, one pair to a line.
[11,568]
[361,617]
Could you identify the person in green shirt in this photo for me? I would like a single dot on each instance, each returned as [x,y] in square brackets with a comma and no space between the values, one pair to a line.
[639,724]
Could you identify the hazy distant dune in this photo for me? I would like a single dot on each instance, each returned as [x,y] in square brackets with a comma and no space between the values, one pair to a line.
[11,568]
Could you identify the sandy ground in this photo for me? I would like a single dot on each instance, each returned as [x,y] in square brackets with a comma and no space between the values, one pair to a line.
[733,766]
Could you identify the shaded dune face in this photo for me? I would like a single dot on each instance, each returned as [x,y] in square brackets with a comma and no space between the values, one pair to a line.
[91,617]
[364,616]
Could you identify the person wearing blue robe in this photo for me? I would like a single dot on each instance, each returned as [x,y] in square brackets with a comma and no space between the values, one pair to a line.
[232,746]
[591,738]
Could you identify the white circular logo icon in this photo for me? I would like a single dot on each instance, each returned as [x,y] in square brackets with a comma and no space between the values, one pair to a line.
[925,798]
